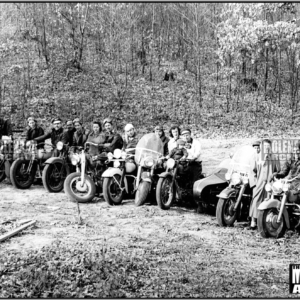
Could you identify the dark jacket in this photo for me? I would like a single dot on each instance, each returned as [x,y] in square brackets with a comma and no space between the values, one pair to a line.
[132,142]
[71,135]
[55,135]
[114,140]
[96,139]
[165,141]
[34,133]
[5,128]
[80,137]
[290,168]
[177,153]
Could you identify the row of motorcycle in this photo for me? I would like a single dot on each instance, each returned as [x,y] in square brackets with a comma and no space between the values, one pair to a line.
[144,173]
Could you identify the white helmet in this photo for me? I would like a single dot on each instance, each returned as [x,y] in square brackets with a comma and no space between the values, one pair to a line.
[128,127]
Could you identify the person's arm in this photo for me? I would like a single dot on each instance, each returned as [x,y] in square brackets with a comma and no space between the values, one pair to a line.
[43,137]
[65,137]
[195,151]
[117,142]
[285,169]
[185,154]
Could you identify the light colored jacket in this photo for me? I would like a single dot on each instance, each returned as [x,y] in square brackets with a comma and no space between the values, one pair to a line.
[195,151]
[172,144]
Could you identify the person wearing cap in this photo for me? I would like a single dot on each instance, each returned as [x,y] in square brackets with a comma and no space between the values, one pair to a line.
[34,131]
[130,138]
[178,153]
[193,147]
[81,134]
[5,128]
[174,134]
[56,134]
[70,131]
[159,131]
[264,170]
[113,139]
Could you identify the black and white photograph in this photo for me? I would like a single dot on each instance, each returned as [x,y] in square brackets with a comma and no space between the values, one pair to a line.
[149,150]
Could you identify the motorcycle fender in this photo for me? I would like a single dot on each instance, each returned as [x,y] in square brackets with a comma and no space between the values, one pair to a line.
[147,180]
[275,203]
[53,160]
[164,175]
[110,172]
[227,193]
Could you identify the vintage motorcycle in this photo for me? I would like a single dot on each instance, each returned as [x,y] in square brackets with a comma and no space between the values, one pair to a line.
[205,190]
[280,210]
[234,201]
[83,185]
[56,169]
[119,180]
[149,151]
[175,181]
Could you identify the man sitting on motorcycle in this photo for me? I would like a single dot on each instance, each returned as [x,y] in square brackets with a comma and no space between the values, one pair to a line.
[80,135]
[5,128]
[70,130]
[159,131]
[57,134]
[130,138]
[179,153]
[112,139]
[194,152]
[34,131]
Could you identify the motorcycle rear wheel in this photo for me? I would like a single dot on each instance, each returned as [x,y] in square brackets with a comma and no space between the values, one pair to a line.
[112,193]
[223,215]
[86,195]
[142,193]
[19,177]
[267,225]
[164,196]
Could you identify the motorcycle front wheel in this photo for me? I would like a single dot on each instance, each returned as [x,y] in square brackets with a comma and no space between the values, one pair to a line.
[2,171]
[164,196]
[142,193]
[224,213]
[19,175]
[112,192]
[267,223]
[76,191]
[53,177]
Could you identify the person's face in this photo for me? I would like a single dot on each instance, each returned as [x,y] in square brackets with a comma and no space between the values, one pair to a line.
[57,125]
[69,125]
[130,132]
[296,153]
[108,127]
[257,148]
[175,133]
[77,126]
[267,147]
[96,128]
[158,132]
[186,137]
[31,124]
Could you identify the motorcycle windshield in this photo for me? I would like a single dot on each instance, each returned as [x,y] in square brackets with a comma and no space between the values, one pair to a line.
[243,160]
[149,146]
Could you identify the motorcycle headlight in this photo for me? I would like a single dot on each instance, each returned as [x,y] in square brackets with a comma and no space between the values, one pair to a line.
[268,187]
[245,180]
[235,178]
[59,145]
[110,156]
[170,163]
[227,176]
[123,155]
[117,153]
[75,159]
[116,164]
[148,162]
[285,187]
[277,187]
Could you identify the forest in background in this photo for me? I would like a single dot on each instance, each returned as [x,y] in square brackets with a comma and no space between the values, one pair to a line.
[233,67]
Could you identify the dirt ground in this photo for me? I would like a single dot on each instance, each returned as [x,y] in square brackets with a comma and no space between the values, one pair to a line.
[128,226]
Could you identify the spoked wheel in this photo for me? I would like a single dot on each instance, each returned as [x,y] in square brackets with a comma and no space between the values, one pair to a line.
[267,223]
[54,175]
[78,191]
[225,214]
[165,195]
[112,192]
[20,175]
[2,171]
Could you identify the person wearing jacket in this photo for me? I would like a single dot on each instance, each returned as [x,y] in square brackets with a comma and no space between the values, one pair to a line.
[70,130]
[130,138]
[80,135]
[5,128]
[113,140]
[159,131]
[174,134]
[57,134]
[33,132]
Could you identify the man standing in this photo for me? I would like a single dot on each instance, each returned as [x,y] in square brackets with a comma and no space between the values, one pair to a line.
[265,167]
[5,128]
[193,147]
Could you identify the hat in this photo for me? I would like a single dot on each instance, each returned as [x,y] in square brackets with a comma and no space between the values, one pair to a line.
[256,143]
[159,127]
[55,120]
[128,127]
[77,120]
[31,119]
[180,142]
[185,130]
[107,120]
